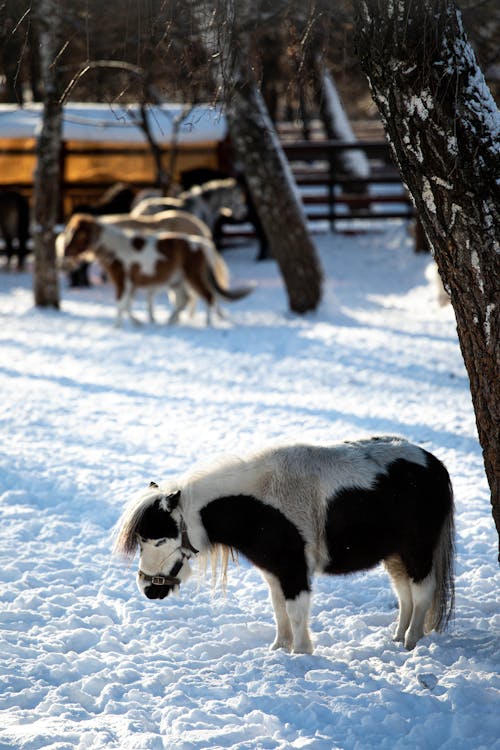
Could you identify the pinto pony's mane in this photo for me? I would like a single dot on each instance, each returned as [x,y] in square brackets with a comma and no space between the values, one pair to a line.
[219,557]
[126,531]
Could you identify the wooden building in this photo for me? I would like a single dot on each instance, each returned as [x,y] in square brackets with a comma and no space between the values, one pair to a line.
[103,144]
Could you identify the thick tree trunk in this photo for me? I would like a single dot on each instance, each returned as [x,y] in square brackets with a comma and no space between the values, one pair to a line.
[444,129]
[47,173]
[260,157]
[276,198]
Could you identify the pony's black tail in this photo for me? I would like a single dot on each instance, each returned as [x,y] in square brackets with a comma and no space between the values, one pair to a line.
[230,294]
[441,611]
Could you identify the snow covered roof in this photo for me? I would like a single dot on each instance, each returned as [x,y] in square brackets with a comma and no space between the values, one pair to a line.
[111,122]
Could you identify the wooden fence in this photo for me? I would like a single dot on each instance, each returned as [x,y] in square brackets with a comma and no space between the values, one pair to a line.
[328,194]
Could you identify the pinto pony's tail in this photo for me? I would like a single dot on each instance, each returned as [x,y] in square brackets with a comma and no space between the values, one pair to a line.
[217,272]
[229,294]
[216,263]
[441,610]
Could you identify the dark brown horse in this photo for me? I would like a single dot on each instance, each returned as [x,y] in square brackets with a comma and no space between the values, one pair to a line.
[14,225]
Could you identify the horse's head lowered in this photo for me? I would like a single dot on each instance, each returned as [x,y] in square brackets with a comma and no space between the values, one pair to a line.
[77,238]
[155,525]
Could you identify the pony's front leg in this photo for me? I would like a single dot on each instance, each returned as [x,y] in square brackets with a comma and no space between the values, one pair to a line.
[124,305]
[284,635]
[298,612]
[120,309]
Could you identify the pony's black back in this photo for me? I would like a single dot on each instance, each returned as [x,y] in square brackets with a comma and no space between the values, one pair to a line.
[404,513]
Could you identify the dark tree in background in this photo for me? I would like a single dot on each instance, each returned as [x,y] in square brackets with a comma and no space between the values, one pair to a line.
[259,154]
[444,128]
[47,173]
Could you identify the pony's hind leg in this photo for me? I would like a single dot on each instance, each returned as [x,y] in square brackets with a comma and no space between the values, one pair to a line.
[181,298]
[401,584]
[422,596]
[415,600]
[150,295]
[284,635]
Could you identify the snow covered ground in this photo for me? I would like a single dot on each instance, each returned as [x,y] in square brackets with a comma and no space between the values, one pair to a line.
[89,415]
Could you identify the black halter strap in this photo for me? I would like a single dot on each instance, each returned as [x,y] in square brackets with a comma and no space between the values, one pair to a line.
[185,543]
[164,580]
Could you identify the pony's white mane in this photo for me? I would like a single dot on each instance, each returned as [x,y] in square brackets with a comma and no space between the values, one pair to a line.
[217,557]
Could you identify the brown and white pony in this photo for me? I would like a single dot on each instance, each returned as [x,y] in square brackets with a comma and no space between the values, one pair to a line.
[154,261]
[207,202]
[173,221]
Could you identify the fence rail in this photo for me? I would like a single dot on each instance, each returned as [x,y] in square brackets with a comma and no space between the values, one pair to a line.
[328,193]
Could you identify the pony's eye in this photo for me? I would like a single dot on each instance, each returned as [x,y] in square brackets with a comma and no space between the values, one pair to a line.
[159,542]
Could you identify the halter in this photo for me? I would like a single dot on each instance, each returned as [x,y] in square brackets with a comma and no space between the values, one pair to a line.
[171,579]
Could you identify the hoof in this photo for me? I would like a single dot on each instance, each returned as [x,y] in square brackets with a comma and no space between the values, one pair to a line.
[281,644]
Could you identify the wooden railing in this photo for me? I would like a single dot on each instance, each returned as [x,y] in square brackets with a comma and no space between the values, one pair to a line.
[330,195]
[339,196]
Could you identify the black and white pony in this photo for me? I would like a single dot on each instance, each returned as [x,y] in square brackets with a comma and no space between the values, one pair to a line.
[302,509]
[208,202]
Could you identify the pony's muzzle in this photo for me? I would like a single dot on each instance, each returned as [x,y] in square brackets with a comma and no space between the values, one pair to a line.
[158,592]
[161,585]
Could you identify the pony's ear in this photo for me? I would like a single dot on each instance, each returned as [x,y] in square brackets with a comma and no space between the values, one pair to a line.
[173,500]
[153,485]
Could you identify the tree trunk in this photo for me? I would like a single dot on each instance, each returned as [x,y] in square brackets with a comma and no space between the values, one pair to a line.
[276,198]
[261,158]
[48,168]
[11,51]
[444,128]
[337,126]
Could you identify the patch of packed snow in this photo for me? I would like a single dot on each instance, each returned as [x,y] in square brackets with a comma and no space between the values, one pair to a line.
[90,414]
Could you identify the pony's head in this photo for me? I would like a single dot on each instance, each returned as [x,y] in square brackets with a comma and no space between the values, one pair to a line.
[77,238]
[154,525]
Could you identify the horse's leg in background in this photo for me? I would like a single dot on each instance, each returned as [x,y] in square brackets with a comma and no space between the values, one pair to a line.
[284,635]
[298,613]
[124,304]
[7,234]
[9,249]
[401,584]
[23,231]
[195,280]
[181,296]
[150,296]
